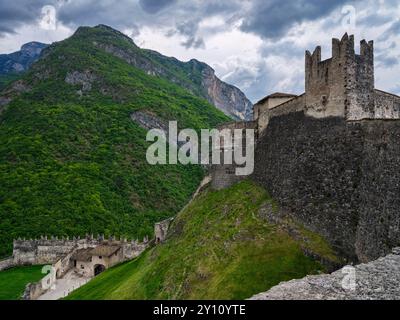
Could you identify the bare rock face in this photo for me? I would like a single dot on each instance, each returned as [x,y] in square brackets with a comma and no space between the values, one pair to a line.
[20,87]
[195,76]
[377,280]
[17,88]
[4,101]
[85,79]
[225,97]
[149,121]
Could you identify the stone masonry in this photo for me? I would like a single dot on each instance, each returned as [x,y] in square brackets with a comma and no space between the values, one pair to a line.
[377,280]
[342,86]
[49,251]
[331,155]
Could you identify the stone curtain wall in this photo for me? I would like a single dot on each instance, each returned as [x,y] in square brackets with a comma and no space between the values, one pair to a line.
[379,192]
[387,105]
[294,105]
[41,251]
[50,251]
[6,264]
[341,179]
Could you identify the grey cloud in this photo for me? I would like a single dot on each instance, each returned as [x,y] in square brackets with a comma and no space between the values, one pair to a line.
[386,60]
[154,6]
[374,20]
[395,89]
[394,29]
[121,14]
[13,14]
[189,30]
[273,18]
[264,80]
[193,42]
[284,48]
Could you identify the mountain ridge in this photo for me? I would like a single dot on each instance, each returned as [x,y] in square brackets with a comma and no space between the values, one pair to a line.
[21,60]
[196,76]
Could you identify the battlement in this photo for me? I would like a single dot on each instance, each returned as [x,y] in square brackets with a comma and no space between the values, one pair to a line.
[344,48]
[47,250]
[342,85]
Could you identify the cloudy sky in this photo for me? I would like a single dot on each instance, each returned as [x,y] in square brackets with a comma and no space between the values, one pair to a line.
[257,45]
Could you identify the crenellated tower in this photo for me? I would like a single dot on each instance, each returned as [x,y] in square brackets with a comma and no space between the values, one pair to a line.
[342,85]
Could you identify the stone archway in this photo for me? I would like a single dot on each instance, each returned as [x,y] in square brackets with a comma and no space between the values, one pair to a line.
[98,268]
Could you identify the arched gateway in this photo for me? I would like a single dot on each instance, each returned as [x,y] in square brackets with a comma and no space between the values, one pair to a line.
[99,268]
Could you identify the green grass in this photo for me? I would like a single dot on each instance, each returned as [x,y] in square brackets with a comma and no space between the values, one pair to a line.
[13,281]
[71,165]
[219,247]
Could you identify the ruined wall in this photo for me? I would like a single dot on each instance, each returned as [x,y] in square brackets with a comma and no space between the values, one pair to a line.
[338,178]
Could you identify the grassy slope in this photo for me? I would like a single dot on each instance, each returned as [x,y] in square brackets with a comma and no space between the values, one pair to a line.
[13,281]
[71,165]
[219,248]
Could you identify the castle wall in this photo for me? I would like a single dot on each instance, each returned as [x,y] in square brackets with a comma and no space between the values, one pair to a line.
[6,264]
[224,175]
[262,111]
[33,291]
[161,230]
[41,251]
[387,105]
[57,251]
[338,178]
[85,268]
[342,86]
[360,83]
[133,249]
[294,105]
[324,82]
[269,103]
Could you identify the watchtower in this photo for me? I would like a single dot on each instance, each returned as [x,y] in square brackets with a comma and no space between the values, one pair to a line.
[342,85]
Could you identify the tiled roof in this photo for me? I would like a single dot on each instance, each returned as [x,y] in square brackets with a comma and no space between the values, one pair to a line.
[102,250]
[105,251]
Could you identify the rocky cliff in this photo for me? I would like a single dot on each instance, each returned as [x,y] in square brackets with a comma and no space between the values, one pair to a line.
[195,76]
[225,97]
